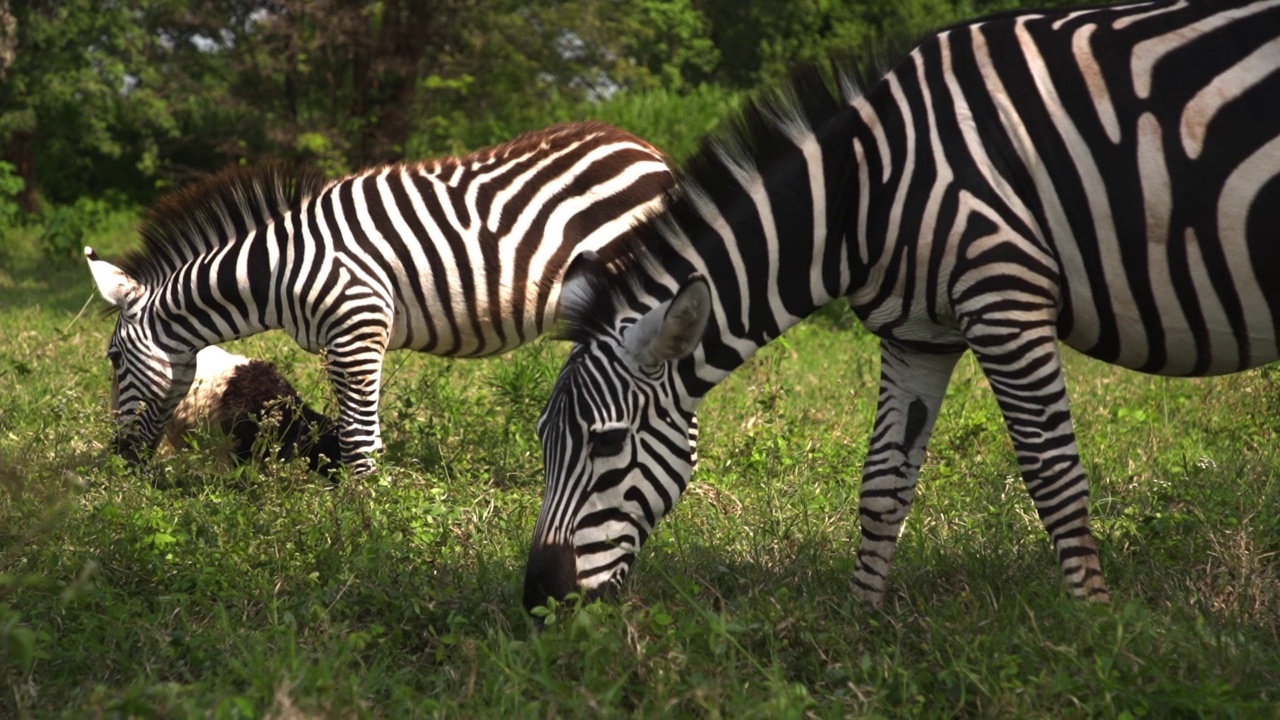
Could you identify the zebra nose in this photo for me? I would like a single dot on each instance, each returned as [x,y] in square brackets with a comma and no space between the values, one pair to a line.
[552,572]
[127,448]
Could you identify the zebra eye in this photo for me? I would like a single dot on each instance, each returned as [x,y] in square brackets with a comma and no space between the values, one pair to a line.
[115,357]
[605,443]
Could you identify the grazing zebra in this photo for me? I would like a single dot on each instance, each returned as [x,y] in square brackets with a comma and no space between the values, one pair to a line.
[242,398]
[1108,177]
[457,256]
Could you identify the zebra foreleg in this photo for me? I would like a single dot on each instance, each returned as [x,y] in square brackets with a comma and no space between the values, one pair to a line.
[355,370]
[912,385]
[1025,370]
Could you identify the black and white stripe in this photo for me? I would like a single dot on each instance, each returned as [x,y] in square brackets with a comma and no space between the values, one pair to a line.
[1109,177]
[458,257]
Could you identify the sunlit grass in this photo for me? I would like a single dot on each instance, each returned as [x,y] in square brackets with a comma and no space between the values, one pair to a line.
[192,588]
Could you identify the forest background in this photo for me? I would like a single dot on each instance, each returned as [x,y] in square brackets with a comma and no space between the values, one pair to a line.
[106,104]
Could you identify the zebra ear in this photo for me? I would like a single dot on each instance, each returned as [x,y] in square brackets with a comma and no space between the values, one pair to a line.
[578,285]
[673,329]
[114,285]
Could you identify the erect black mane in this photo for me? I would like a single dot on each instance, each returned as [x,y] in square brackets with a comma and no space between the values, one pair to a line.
[206,215]
[814,94]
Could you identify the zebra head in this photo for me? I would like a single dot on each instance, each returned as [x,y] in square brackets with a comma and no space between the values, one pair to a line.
[615,445]
[148,379]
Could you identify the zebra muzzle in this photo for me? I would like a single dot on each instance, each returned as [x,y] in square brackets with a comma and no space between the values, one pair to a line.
[131,449]
[552,573]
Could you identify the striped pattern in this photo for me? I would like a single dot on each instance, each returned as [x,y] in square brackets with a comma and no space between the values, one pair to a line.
[458,257]
[1108,177]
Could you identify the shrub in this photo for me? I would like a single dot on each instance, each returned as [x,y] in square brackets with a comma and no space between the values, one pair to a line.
[10,186]
[65,226]
[672,121]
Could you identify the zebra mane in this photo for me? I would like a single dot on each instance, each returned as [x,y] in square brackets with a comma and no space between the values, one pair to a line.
[206,215]
[759,135]
[522,144]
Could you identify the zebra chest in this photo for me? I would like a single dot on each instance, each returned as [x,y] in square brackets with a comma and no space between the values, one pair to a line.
[899,302]
[910,321]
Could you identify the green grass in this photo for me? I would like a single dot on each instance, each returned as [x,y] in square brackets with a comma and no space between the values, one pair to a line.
[194,589]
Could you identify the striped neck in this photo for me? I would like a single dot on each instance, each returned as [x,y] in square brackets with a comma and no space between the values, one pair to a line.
[779,242]
[222,295]
[785,231]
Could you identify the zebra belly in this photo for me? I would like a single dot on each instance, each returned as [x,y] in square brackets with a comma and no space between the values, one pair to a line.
[1211,350]
[886,321]
[1190,304]
[461,329]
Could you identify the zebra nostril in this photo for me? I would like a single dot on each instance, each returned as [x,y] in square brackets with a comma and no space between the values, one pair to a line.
[552,573]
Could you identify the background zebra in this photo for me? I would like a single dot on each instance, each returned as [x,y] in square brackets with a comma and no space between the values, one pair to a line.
[1109,177]
[249,401]
[456,256]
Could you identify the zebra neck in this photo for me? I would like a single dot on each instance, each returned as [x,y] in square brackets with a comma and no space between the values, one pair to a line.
[220,296]
[784,244]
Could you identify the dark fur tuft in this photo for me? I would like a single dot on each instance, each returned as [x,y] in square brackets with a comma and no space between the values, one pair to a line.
[195,219]
[255,393]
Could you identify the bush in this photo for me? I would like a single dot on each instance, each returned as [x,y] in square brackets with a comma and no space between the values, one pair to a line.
[65,226]
[10,186]
[672,121]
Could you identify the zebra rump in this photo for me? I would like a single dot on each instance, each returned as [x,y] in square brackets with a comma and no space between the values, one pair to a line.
[243,399]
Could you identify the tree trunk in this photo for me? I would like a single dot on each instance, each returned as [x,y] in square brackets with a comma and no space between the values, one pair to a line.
[19,153]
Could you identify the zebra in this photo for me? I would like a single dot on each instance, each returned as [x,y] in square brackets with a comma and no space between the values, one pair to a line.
[458,257]
[1106,177]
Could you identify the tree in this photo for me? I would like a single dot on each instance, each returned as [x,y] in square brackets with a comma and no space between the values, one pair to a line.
[342,79]
[73,119]
[131,96]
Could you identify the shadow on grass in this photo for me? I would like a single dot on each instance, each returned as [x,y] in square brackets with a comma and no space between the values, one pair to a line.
[820,572]
[61,285]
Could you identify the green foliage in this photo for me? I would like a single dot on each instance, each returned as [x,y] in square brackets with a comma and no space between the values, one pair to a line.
[139,97]
[673,122]
[669,38]
[68,103]
[320,150]
[20,644]
[10,186]
[63,231]
[65,226]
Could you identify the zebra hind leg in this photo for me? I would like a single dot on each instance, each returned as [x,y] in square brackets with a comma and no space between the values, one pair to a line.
[1024,368]
[912,385]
